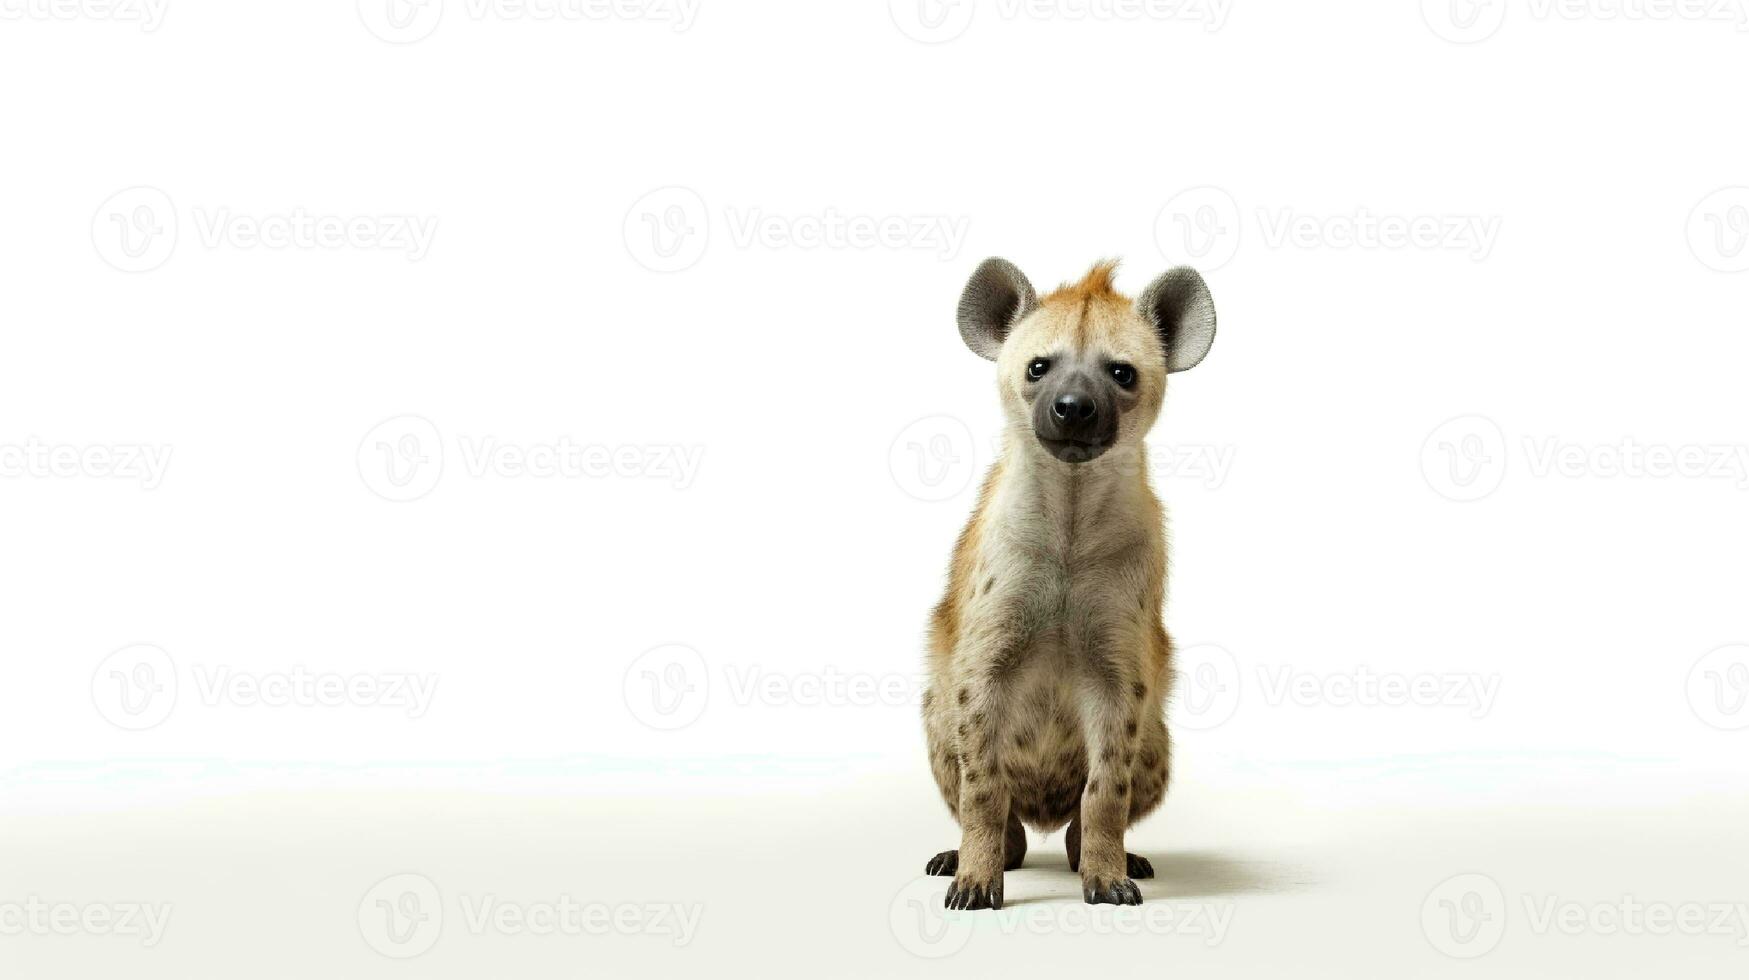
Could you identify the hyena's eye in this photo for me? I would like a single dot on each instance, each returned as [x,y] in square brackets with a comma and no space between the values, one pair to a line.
[1037,368]
[1124,375]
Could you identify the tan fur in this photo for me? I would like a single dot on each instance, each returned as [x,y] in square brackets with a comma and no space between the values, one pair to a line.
[1048,660]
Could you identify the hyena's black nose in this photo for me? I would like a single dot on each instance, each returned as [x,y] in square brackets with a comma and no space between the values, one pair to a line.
[1072,407]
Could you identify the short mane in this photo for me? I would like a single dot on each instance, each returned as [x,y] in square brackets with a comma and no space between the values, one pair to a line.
[1096,284]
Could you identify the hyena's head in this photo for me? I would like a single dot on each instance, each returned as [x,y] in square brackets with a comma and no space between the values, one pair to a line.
[1085,367]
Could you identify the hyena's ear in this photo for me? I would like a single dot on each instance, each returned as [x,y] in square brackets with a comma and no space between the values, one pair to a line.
[994,300]
[1178,304]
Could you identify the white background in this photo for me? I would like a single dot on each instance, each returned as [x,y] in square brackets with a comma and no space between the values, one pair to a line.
[1475,422]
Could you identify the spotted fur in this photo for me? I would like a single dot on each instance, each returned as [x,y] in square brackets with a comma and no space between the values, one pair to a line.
[1048,660]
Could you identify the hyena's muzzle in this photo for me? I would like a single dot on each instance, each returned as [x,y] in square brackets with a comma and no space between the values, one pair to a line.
[1075,413]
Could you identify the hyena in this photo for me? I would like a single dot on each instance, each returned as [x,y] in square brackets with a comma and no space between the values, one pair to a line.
[1048,661]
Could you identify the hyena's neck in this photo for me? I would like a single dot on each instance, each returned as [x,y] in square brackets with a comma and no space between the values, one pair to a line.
[1071,508]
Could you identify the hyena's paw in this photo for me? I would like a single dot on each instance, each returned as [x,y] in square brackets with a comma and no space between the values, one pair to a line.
[1139,866]
[965,894]
[945,863]
[1112,891]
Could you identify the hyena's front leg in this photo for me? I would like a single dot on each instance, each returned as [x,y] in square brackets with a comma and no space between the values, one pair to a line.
[983,799]
[1112,724]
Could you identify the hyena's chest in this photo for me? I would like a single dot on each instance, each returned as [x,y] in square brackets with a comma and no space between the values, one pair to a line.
[1041,752]
[1044,612]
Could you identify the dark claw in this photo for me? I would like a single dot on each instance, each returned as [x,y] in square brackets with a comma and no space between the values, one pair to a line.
[970,896]
[1139,867]
[946,863]
[1120,892]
